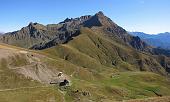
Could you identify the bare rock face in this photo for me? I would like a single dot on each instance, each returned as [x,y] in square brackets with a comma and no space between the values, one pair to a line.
[28,36]
[99,19]
[61,38]
[137,43]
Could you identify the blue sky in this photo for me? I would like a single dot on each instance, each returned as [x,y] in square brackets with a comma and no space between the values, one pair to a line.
[150,16]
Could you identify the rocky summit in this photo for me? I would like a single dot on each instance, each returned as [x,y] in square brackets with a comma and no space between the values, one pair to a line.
[84,59]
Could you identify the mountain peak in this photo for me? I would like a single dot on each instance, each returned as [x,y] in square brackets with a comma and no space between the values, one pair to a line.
[99,19]
[36,25]
[100,13]
[32,24]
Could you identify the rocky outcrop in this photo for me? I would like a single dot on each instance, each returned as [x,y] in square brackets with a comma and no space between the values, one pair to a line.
[28,36]
[138,44]
[60,38]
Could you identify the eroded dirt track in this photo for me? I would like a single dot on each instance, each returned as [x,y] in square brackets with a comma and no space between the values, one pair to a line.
[152,99]
[35,68]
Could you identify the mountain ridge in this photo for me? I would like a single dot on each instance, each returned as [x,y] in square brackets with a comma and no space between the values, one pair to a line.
[54,34]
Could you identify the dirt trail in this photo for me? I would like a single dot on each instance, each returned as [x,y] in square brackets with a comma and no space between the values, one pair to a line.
[152,99]
[2,90]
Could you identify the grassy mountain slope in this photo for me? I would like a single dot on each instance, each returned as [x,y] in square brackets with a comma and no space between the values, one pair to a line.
[90,50]
[101,83]
[94,61]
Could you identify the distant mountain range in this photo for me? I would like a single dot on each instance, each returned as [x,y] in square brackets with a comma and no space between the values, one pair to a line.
[1,33]
[161,40]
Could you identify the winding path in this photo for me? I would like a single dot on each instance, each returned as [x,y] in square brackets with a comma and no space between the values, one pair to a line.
[13,89]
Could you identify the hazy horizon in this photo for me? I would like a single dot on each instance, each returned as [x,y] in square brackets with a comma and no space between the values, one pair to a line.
[148,16]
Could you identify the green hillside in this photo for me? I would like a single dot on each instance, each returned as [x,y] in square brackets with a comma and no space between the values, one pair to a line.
[92,50]
[96,74]
[90,79]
